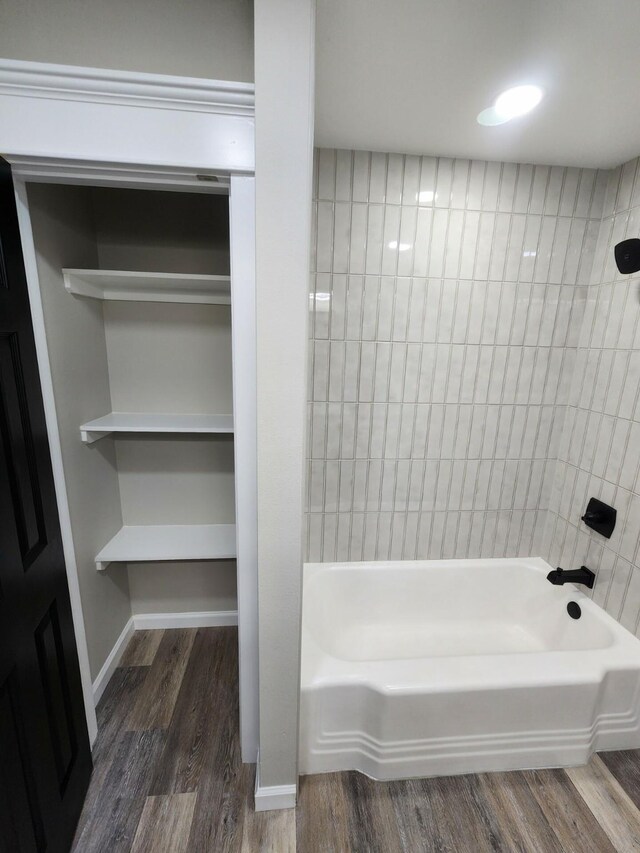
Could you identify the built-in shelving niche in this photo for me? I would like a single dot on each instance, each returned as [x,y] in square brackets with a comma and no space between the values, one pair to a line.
[152,365]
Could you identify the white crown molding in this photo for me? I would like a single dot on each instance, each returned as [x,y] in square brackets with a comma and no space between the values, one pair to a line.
[100,85]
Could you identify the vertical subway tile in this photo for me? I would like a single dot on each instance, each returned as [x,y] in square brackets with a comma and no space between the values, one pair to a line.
[459,184]
[491,186]
[447,301]
[326,174]
[554,190]
[585,192]
[357,246]
[569,192]
[444,182]
[427,191]
[411,180]
[395,177]
[344,163]
[361,170]
[507,187]
[378,178]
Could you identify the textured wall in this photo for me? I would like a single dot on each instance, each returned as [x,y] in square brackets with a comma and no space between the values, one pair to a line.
[445,313]
[201,38]
[600,449]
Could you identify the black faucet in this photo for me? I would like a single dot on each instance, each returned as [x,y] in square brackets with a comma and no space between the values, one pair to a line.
[582,575]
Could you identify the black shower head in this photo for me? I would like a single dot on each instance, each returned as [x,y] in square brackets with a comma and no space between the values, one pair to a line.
[627,255]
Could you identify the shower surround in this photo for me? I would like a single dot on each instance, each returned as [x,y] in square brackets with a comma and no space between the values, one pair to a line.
[447,303]
[463,352]
[599,453]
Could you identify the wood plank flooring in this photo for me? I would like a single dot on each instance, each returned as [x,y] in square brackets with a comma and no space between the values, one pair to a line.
[168,779]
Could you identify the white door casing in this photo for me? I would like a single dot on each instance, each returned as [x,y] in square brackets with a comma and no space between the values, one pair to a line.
[62,124]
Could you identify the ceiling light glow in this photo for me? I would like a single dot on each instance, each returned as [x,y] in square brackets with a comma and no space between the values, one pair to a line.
[510,104]
[517,101]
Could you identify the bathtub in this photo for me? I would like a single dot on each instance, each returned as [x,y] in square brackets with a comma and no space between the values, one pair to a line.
[439,667]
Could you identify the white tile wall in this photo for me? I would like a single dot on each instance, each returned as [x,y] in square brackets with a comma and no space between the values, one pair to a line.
[446,306]
[599,452]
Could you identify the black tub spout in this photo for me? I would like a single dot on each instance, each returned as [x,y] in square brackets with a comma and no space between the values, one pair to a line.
[582,575]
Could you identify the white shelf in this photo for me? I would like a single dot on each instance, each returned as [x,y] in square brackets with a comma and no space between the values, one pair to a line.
[169,542]
[149,286]
[154,423]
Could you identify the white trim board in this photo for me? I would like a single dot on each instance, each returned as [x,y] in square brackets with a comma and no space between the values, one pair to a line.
[118,119]
[112,661]
[96,127]
[267,798]
[245,445]
[52,170]
[202,619]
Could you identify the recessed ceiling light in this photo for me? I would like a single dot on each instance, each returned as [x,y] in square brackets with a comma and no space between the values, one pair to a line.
[511,104]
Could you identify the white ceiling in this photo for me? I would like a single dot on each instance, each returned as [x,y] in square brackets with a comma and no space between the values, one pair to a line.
[410,76]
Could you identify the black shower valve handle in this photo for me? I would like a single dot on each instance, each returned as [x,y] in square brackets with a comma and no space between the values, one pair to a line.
[600,517]
[593,516]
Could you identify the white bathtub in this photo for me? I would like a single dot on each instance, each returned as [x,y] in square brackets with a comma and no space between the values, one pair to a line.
[438,667]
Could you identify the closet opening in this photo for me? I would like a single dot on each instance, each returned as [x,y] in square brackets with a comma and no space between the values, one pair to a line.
[136,299]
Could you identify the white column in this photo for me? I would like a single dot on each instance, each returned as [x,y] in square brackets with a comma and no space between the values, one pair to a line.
[284,69]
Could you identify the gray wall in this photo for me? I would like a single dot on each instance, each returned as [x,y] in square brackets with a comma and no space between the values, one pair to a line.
[156,231]
[62,220]
[446,304]
[198,38]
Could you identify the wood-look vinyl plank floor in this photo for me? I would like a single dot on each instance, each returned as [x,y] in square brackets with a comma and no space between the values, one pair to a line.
[113,823]
[112,711]
[142,648]
[168,778]
[206,702]
[154,706]
[165,824]
[568,814]
[625,767]
[522,822]
[610,804]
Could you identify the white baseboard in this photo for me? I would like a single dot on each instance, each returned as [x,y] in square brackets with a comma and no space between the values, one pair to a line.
[112,661]
[270,797]
[204,619]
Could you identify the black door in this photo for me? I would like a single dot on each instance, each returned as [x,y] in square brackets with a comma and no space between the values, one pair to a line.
[45,758]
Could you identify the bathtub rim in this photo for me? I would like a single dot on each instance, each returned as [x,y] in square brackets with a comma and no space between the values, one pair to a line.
[466,673]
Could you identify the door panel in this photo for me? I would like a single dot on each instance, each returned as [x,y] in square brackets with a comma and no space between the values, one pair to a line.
[45,758]
[20,820]
[55,686]
[16,436]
